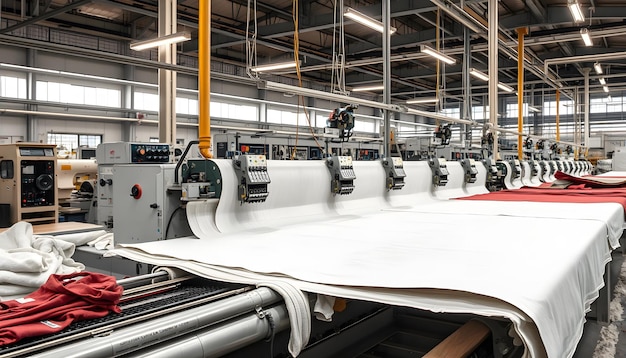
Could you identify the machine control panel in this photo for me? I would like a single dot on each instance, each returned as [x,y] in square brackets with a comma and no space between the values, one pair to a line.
[37,183]
[394,167]
[440,171]
[469,166]
[342,173]
[253,177]
[132,153]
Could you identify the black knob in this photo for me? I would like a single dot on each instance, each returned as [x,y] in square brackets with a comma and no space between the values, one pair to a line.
[102,182]
[154,205]
[110,181]
[135,191]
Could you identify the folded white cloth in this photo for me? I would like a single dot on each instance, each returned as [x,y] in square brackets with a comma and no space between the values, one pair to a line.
[323,309]
[103,242]
[27,260]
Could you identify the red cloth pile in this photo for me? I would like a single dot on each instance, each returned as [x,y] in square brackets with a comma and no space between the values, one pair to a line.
[578,195]
[62,300]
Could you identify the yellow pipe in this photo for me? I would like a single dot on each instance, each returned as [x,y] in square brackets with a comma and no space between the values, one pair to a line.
[558,130]
[204,78]
[520,89]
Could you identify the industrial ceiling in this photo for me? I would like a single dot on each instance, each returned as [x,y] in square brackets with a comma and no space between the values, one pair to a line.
[553,42]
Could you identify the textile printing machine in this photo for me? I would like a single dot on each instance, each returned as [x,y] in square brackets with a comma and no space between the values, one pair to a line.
[158,194]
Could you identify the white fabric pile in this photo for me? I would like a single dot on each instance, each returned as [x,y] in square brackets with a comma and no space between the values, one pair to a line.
[27,260]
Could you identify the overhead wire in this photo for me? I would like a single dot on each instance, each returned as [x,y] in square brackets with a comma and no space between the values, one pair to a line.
[296,49]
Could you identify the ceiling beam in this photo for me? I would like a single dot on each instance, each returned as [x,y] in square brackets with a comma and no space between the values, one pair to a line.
[45,16]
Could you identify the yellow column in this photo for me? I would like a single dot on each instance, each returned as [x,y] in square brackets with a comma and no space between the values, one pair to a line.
[204,78]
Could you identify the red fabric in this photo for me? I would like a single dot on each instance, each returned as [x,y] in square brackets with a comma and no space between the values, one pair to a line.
[550,196]
[62,300]
[592,181]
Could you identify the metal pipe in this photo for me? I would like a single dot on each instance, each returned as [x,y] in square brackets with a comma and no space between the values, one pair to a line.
[584,58]
[204,78]
[493,71]
[222,339]
[131,281]
[386,76]
[520,88]
[132,338]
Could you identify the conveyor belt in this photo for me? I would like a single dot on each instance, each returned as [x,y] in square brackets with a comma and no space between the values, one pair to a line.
[141,307]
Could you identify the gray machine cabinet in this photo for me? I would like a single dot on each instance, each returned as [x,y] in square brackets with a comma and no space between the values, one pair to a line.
[142,205]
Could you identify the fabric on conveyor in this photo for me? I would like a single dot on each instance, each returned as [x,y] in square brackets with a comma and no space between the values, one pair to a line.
[592,181]
[63,299]
[542,273]
[511,195]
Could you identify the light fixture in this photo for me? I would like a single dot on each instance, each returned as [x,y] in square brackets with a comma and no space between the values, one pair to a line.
[606,89]
[534,109]
[598,68]
[274,66]
[480,75]
[423,100]
[366,20]
[504,87]
[584,33]
[608,98]
[577,12]
[163,40]
[368,88]
[438,55]
[602,81]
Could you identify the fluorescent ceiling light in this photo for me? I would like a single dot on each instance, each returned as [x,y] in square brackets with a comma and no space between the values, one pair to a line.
[438,55]
[608,98]
[366,20]
[163,40]
[598,68]
[577,12]
[606,89]
[368,88]
[504,87]
[602,81]
[584,33]
[474,72]
[534,109]
[423,100]
[273,66]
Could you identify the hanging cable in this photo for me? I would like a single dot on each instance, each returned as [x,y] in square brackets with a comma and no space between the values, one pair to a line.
[251,53]
[296,49]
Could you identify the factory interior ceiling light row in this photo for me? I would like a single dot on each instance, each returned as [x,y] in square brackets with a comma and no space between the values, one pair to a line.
[340,53]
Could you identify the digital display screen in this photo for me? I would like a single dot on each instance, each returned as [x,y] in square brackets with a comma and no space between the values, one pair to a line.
[36,152]
[28,169]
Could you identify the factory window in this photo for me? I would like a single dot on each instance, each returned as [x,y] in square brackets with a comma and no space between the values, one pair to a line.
[68,142]
[565,108]
[614,105]
[320,121]
[285,117]
[186,106]
[512,112]
[597,105]
[146,101]
[366,125]
[13,87]
[454,112]
[69,93]
[234,111]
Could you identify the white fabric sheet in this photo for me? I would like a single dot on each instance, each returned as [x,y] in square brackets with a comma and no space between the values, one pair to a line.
[610,214]
[551,270]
